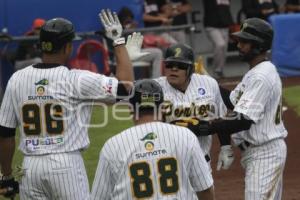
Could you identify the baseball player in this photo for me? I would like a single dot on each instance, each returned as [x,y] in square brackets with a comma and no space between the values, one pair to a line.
[257,101]
[154,159]
[52,106]
[191,95]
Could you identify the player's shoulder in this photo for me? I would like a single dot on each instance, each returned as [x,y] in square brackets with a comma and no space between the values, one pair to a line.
[201,79]
[23,70]
[84,76]
[21,73]
[264,69]
[204,77]
[181,134]
[81,72]
[264,72]
[158,127]
[174,130]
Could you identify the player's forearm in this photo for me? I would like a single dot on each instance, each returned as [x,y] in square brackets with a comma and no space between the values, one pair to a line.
[230,126]
[124,70]
[7,149]
[224,139]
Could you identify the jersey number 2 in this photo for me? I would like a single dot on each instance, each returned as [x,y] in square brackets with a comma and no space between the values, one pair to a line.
[141,180]
[31,114]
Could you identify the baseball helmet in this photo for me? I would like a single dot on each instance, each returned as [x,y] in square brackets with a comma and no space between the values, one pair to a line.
[257,31]
[183,54]
[146,93]
[55,33]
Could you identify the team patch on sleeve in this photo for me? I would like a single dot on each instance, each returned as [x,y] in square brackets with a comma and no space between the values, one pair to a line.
[108,86]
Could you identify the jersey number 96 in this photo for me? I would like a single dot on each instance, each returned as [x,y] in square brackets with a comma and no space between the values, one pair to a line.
[32,125]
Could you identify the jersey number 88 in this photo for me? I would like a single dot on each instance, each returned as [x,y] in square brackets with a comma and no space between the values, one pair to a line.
[141,179]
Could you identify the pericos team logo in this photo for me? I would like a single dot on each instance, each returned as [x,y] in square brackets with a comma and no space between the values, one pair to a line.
[40,90]
[42,82]
[149,136]
[149,146]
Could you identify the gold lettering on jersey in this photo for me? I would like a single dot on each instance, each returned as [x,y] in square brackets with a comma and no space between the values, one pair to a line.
[191,111]
[167,108]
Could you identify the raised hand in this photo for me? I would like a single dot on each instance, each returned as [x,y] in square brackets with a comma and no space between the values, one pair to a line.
[134,45]
[112,26]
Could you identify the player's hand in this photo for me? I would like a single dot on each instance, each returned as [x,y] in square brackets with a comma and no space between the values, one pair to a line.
[8,186]
[112,26]
[197,126]
[133,46]
[226,157]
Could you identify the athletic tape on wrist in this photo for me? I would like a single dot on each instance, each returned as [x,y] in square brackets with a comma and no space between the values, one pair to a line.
[119,41]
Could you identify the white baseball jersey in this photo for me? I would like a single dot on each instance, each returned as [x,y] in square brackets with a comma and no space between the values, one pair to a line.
[201,99]
[259,97]
[152,160]
[53,107]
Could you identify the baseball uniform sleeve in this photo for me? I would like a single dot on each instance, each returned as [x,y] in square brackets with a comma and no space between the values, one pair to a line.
[253,100]
[96,86]
[8,117]
[103,183]
[222,109]
[200,175]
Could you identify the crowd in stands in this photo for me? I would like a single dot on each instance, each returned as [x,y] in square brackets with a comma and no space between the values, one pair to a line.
[217,20]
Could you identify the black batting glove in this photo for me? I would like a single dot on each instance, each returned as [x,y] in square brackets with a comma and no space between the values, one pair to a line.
[197,126]
[10,184]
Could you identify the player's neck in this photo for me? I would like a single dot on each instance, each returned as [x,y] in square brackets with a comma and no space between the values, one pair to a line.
[53,58]
[145,119]
[182,88]
[258,59]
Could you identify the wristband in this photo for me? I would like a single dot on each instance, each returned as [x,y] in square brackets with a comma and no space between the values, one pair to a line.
[119,41]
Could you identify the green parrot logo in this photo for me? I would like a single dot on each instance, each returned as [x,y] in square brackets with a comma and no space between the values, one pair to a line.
[42,82]
[149,136]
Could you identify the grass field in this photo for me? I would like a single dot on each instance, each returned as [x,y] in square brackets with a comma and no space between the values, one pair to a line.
[98,136]
[292,98]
